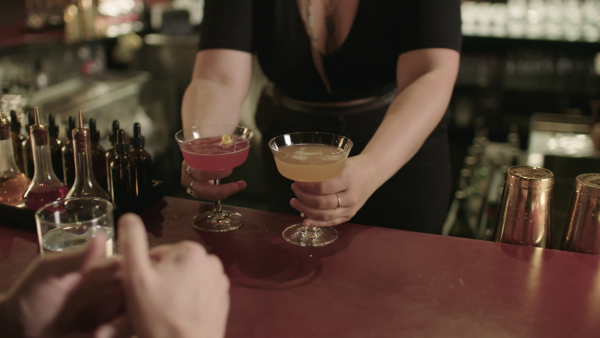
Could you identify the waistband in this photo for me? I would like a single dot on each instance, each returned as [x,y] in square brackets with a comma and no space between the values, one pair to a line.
[336,108]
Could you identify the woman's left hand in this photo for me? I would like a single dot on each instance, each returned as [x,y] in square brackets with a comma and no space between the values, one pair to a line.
[319,200]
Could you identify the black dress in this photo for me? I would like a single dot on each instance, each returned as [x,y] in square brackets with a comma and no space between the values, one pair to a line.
[416,198]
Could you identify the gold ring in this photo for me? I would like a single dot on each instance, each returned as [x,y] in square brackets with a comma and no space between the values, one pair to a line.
[339,200]
[188,170]
[190,190]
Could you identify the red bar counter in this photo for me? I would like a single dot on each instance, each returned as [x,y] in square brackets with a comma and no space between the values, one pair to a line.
[374,282]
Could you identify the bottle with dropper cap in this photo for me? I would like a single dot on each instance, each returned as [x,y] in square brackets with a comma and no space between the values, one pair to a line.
[45,186]
[110,154]
[17,140]
[27,149]
[55,147]
[85,184]
[13,183]
[98,156]
[122,173]
[143,161]
[68,156]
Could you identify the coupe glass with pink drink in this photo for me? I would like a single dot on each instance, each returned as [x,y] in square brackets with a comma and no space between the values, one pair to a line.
[215,148]
[310,157]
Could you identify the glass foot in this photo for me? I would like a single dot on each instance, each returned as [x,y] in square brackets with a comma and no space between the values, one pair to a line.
[218,222]
[300,235]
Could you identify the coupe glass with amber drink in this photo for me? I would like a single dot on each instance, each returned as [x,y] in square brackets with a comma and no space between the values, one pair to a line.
[310,157]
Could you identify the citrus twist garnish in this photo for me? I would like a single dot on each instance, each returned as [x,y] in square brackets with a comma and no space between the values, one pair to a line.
[226,139]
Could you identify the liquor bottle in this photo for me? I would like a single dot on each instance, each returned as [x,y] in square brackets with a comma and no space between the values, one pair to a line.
[45,187]
[68,157]
[85,184]
[17,140]
[122,173]
[55,147]
[98,157]
[27,148]
[110,153]
[143,161]
[13,183]
[459,220]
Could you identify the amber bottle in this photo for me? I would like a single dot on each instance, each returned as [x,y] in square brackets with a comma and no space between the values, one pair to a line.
[68,157]
[17,140]
[55,147]
[143,161]
[122,173]
[98,156]
[110,153]
[27,149]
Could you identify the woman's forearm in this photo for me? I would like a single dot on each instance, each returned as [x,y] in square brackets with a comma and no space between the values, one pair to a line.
[220,83]
[410,119]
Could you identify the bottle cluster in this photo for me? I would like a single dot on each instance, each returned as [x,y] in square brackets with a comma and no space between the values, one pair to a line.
[37,167]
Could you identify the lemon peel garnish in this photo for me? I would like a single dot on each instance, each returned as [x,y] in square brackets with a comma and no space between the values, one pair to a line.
[226,139]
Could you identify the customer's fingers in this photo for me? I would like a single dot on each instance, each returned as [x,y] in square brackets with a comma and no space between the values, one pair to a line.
[133,244]
[118,328]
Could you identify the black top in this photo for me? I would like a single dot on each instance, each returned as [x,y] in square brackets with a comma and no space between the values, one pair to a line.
[364,65]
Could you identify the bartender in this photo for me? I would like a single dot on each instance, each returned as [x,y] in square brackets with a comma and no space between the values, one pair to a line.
[379,72]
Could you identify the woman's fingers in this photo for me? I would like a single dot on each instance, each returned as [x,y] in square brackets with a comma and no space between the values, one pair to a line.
[207,190]
[324,188]
[320,217]
[321,202]
[201,175]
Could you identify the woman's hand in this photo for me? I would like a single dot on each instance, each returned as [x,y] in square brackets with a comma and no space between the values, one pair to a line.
[201,183]
[176,290]
[319,201]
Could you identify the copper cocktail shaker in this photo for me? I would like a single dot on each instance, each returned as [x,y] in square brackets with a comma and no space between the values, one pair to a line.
[525,216]
[582,231]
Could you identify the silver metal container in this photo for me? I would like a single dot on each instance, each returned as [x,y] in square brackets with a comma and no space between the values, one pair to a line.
[582,228]
[525,216]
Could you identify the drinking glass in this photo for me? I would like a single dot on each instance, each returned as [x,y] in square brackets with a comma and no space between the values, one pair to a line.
[69,224]
[207,148]
[310,157]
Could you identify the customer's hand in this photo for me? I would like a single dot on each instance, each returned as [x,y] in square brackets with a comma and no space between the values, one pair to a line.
[174,290]
[64,295]
[201,182]
[319,200]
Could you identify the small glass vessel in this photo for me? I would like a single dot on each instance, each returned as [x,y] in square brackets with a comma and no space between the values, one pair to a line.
[143,161]
[85,184]
[122,173]
[17,140]
[68,158]
[110,153]
[45,187]
[26,145]
[13,183]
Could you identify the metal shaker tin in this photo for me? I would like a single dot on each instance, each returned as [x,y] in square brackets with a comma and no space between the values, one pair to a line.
[582,227]
[525,216]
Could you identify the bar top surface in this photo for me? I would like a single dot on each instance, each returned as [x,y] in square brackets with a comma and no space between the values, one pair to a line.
[373,282]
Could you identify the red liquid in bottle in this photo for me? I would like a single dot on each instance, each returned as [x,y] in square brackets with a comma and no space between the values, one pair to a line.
[37,199]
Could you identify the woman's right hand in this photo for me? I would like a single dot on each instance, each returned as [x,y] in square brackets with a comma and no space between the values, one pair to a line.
[201,183]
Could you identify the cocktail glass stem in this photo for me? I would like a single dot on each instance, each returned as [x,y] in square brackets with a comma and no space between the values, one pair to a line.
[217,210]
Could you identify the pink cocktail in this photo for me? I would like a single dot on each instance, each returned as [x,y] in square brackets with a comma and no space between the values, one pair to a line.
[215,148]
[211,155]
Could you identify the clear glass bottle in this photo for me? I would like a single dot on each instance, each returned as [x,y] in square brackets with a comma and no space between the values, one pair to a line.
[68,158]
[122,173]
[45,186]
[110,153]
[143,161]
[55,147]
[98,156]
[85,183]
[13,183]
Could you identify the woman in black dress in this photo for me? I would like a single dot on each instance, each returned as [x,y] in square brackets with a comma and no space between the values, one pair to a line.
[380,72]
